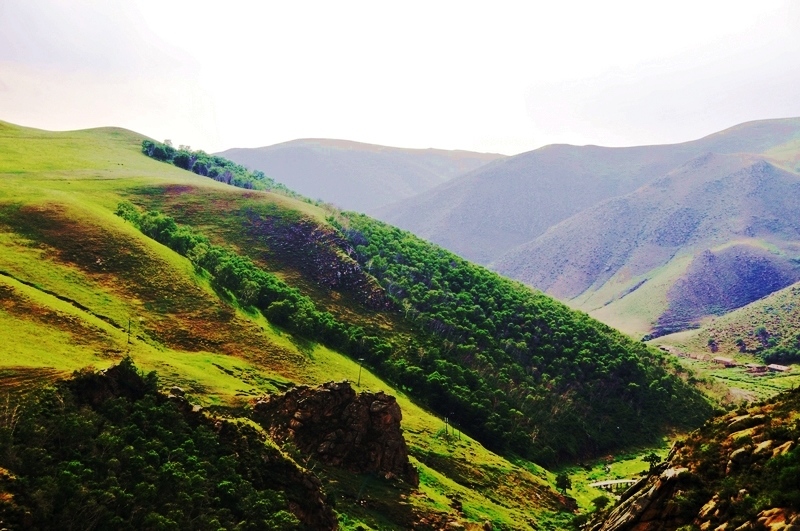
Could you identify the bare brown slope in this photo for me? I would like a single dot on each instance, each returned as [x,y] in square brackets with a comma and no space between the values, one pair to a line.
[488,212]
[357,176]
[734,201]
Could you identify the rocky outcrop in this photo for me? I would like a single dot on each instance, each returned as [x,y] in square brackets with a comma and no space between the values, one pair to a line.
[333,424]
[644,506]
[322,254]
[737,473]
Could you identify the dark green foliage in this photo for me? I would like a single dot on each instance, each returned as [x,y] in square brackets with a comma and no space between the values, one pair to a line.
[786,352]
[563,482]
[652,459]
[251,286]
[512,367]
[90,454]
[215,167]
[522,371]
[601,502]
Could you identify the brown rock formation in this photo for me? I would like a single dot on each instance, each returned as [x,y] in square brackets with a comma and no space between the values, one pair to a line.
[334,425]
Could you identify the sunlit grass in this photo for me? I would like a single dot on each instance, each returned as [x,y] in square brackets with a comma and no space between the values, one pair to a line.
[77,275]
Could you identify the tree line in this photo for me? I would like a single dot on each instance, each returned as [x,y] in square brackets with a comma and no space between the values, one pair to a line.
[215,167]
[522,370]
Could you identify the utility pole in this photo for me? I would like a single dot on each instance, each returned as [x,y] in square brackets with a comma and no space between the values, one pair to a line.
[453,426]
[360,364]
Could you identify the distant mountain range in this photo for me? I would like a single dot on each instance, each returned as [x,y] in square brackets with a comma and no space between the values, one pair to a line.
[717,233]
[648,239]
[488,212]
[356,176]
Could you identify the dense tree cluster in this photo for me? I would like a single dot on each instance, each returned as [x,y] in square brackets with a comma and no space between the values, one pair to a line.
[251,286]
[214,167]
[787,351]
[132,461]
[514,368]
[521,370]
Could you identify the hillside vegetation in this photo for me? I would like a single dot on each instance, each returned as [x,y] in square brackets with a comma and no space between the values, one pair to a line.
[253,291]
[107,450]
[766,330]
[514,365]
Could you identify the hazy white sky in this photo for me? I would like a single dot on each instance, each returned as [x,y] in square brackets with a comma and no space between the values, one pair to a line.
[500,76]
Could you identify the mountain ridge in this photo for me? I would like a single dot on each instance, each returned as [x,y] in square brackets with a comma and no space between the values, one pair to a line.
[540,188]
[711,201]
[356,175]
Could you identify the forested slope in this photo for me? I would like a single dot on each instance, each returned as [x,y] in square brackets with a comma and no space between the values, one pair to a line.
[517,366]
[516,369]
[107,450]
[233,292]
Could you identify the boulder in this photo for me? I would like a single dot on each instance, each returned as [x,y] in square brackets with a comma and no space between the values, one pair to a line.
[331,423]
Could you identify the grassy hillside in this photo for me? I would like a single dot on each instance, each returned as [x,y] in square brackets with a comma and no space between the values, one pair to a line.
[76,278]
[765,331]
[357,176]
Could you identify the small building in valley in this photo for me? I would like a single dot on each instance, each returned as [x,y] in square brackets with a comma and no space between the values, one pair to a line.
[756,368]
[778,368]
[727,362]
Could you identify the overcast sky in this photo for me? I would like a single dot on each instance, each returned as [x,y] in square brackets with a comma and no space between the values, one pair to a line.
[495,76]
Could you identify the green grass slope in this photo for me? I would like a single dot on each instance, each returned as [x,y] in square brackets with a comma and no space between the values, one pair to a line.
[451,333]
[82,286]
[75,277]
[756,329]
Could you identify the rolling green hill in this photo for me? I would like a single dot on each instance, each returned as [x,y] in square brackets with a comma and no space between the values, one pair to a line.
[767,330]
[231,293]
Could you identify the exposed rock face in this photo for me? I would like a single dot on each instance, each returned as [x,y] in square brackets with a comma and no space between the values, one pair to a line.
[643,505]
[322,254]
[331,423]
[737,473]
